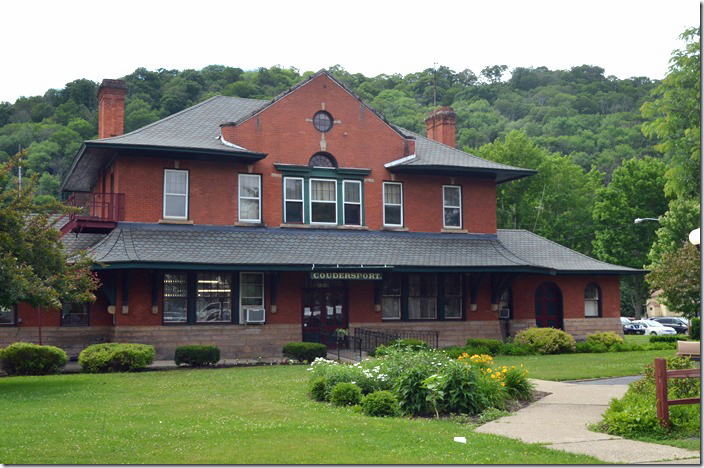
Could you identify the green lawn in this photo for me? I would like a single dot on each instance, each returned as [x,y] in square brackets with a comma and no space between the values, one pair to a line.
[583,366]
[226,416]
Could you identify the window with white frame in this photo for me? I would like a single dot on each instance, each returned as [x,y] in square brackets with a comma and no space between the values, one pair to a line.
[391,297]
[393,204]
[251,293]
[452,206]
[453,296]
[422,297]
[250,198]
[175,194]
[592,297]
[323,201]
[293,200]
[352,198]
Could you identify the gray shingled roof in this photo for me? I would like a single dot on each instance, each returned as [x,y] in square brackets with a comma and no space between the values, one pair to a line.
[197,127]
[174,245]
[432,154]
[541,251]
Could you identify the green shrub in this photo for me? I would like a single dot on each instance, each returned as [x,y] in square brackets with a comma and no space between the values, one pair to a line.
[304,351]
[658,346]
[667,338]
[382,403]
[453,352]
[694,330]
[197,355]
[517,384]
[591,347]
[607,338]
[317,389]
[345,394]
[409,343]
[492,345]
[116,357]
[622,347]
[31,359]
[514,349]
[546,340]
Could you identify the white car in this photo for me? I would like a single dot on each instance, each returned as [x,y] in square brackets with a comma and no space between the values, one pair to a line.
[655,328]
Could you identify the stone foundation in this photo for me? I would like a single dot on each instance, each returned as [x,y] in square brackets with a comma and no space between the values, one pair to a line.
[234,341]
[73,340]
[449,333]
[580,328]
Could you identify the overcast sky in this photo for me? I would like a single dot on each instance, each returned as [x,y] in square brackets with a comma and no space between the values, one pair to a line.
[46,44]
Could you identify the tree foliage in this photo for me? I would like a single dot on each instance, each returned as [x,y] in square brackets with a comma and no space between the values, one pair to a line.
[33,264]
[681,218]
[678,276]
[675,114]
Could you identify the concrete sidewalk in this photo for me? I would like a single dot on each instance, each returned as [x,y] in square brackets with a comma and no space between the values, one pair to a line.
[560,421]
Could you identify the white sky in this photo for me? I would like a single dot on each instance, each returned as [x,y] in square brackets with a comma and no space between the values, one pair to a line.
[46,44]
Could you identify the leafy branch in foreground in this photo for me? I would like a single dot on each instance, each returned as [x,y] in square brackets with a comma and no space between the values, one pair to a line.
[34,268]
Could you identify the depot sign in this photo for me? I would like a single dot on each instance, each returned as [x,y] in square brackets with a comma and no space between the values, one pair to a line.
[323,275]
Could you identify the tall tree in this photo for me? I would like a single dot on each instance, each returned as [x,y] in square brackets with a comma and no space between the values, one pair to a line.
[675,115]
[33,264]
[636,191]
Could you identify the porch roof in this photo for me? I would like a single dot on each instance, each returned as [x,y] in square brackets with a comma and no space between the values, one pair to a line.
[145,245]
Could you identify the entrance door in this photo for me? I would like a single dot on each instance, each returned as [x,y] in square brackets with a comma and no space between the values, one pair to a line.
[548,306]
[324,311]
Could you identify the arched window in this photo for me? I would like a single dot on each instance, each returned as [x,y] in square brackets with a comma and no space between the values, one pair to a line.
[592,300]
[322,160]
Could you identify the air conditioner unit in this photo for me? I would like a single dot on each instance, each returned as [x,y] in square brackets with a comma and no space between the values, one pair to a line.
[505,313]
[254,316]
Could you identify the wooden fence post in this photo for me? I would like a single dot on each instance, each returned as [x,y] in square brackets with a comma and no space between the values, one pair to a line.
[663,411]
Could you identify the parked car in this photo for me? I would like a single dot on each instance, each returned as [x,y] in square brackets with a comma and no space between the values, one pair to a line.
[631,328]
[656,328]
[678,323]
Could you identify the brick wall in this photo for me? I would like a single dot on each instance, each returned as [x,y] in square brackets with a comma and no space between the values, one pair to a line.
[580,328]
[71,339]
[359,139]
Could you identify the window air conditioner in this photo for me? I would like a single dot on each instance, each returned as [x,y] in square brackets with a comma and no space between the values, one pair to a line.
[505,313]
[254,315]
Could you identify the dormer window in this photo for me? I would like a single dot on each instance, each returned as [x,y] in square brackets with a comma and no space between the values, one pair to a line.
[322,160]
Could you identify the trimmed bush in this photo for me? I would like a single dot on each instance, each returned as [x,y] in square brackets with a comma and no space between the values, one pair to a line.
[607,338]
[492,345]
[116,357]
[304,351]
[622,347]
[382,403]
[592,347]
[31,359]
[317,389]
[547,340]
[694,330]
[345,394]
[472,350]
[514,349]
[197,355]
[667,338]
[453,352]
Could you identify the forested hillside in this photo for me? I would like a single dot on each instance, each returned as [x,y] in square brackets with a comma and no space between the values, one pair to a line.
[607,150]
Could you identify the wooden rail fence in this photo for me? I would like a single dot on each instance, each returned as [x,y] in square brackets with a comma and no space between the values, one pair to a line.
[661,377]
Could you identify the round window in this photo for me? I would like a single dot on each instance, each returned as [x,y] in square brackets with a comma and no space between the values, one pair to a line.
[322,121]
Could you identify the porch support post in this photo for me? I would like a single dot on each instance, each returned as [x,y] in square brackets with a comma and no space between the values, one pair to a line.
[273,290]
[125,291]
[475,281]
[156,284]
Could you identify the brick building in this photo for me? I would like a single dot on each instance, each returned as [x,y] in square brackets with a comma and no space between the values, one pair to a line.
[249,224]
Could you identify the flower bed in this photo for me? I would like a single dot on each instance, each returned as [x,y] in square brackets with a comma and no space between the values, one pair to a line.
[427,382]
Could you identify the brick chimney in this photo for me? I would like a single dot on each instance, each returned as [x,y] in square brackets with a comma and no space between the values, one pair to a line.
[441,125]
[111,108]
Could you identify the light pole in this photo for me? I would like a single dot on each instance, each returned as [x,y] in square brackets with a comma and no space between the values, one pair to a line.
[638,221]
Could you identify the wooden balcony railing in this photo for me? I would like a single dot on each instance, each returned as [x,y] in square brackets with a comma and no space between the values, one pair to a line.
[98,212]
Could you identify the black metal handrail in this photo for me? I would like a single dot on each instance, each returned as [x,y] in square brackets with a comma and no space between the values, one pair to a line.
[372,338]
[343,342]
